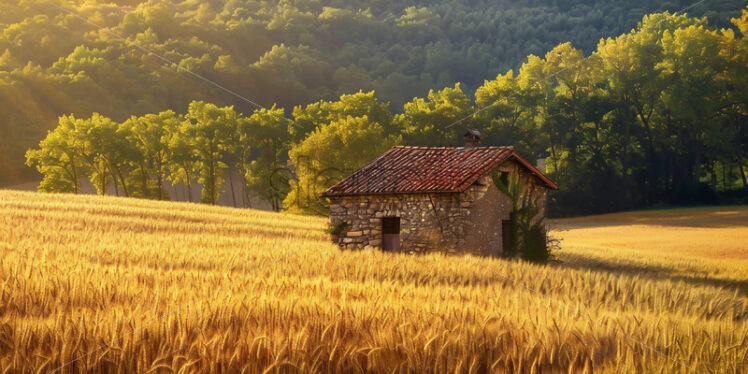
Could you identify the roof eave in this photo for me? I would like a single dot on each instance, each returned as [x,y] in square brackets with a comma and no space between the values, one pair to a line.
[462,187]
[548,182]
[424,192]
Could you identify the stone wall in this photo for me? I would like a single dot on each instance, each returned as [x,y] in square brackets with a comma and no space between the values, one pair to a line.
[467,222]
[420,230]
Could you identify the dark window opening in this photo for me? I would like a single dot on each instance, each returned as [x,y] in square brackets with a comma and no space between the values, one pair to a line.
[391,234]
[504,178]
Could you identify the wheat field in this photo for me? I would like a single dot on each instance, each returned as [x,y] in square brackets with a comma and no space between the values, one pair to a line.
[97,284]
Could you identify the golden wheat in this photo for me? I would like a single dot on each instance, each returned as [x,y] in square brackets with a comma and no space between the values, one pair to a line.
[95,284]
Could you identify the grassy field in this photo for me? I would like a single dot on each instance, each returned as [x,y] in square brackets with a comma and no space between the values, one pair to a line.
[94,284]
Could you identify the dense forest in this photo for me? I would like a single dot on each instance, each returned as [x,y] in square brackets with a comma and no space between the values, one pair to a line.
[655,115]
[54,62]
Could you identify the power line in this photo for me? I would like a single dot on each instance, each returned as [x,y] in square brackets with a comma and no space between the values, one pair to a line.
[516,92]
[170,62]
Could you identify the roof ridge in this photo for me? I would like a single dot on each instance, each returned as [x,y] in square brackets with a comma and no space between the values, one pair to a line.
[414,169]
[459,147]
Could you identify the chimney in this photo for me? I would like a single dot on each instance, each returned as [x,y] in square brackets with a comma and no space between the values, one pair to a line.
[472,138]
[540,164]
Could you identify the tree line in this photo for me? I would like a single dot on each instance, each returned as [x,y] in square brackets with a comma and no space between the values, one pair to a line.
[656,115]
[285,52]
[138,157]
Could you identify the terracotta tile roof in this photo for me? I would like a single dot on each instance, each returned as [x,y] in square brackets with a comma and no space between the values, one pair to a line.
[404,169]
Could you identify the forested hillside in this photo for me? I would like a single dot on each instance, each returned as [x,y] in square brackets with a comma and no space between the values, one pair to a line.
[656,115]
[276,52]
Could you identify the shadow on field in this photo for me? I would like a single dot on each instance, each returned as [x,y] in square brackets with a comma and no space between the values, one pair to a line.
[704,217]
[653,272]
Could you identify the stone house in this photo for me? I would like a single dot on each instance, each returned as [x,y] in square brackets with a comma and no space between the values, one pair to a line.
[418,199]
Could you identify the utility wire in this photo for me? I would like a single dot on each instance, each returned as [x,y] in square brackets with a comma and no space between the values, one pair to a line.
[170,62]
[516,92]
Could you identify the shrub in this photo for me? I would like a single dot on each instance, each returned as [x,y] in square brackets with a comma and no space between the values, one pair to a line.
[338,228]
[529,239]
[534,245]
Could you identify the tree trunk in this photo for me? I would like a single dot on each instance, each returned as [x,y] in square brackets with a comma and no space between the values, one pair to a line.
[102,184]
[246,203]
[75,174]
[212,178]
[189,189]
[654,163]
[144,177]
[114,180]
[696,165]
[742,173]
[724,176]
[189,186]
[231,182]
[124,184]
[160,181]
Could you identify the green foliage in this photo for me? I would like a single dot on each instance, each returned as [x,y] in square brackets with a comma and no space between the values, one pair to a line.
[509,110]
[655,115]
[329,154]
[58,159]
[528,229]
[338,228]
[290,53]
[314,115]
[151,134]
[209,130]
[427,121]
[106,145]
[183,159]
[269,133]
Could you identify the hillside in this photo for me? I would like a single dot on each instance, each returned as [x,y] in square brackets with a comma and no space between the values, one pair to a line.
[193,288]
[52,62]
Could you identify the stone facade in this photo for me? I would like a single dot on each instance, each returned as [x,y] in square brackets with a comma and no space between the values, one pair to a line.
[457,222]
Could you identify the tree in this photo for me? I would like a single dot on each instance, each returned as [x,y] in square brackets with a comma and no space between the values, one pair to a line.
[629,63]
[57,159]
[183,158]
[151,134]
[507,114]
[434,121]
[268,133]
[107,146]
[655,115]
[211,128]
[690,62]
[735,108]
[314,115]
[96,145]
[573,73]
[329,153]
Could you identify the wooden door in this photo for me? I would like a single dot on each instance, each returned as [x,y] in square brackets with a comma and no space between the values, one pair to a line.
[391,234]
[506,235]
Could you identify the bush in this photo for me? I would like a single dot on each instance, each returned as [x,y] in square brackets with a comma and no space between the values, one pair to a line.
[338,228]
[534,246]
[529,239]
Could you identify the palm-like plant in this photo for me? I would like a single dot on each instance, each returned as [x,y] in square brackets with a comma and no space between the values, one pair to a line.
[528,234]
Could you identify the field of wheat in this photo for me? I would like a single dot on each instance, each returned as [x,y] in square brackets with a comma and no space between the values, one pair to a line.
[96,284]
